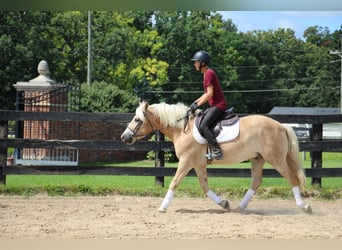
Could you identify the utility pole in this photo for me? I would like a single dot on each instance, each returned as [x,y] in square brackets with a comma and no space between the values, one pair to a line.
[89,66]
[339,53]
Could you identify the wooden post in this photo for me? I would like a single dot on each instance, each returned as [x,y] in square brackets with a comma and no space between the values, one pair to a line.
[3,151]
[159,159]
[316,161]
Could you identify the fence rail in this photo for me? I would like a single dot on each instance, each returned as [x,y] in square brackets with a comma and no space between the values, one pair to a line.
[324,146]
[155,171]
[316,145]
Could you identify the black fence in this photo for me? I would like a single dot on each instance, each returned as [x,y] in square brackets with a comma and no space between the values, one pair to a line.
[315,145]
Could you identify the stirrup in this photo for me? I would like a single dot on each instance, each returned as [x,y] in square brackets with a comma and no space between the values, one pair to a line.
[217,156]
[209,155]
[214,154]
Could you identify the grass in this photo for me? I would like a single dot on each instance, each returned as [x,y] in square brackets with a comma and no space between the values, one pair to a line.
[145,186]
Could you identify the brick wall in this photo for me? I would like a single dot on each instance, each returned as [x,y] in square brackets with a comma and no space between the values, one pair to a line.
[65,130]
[105,131]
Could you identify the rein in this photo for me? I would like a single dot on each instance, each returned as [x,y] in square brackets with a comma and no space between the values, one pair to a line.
[186,124]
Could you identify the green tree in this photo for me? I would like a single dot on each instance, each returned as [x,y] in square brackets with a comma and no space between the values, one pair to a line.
[24,41]
[147,54]
[317,35]
[69,45]
[123,53]
[184,33]
[104,97]
[319,88]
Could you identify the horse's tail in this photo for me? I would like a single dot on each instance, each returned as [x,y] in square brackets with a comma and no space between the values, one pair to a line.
[292,159]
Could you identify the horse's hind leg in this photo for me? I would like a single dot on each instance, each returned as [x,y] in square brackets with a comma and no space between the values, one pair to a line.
[297,196]
[256,172]
[292,178]
[203,181]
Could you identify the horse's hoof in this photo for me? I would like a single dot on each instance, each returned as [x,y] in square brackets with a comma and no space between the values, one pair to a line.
[307,209]
[225,204]
[239,210]
[162,210]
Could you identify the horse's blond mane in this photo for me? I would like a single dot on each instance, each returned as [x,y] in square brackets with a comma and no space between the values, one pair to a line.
[169,114]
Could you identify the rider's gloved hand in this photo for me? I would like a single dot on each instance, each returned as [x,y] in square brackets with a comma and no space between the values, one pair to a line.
[193,107]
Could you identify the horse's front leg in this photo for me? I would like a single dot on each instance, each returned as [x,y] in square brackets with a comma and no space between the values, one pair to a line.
[181,172]
[203,181]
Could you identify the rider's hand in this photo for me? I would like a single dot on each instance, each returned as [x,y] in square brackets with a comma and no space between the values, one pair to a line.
[193,107]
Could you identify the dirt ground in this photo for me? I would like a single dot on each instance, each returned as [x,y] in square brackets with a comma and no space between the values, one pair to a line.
[132,217]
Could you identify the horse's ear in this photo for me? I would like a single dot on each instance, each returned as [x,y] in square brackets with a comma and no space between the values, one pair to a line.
[144,105]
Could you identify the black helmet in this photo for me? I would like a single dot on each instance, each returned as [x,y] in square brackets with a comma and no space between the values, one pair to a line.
[202,56]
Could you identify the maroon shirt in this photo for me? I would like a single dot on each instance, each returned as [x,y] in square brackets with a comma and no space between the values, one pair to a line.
[218,100]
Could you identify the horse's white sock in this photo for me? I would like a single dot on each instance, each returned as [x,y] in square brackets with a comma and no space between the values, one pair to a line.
[247,198]
[214,197]
[167,199]
[296,193]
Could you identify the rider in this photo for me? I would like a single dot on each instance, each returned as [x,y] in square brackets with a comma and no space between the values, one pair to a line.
[214,96]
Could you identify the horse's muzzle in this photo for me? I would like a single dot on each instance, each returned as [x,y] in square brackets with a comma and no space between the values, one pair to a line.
[127,137]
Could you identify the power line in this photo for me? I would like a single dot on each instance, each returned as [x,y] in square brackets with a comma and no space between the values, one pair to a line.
[240,91]
[250,66]
[270,80]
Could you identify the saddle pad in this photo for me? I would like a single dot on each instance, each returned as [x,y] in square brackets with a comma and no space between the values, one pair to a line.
[227,134]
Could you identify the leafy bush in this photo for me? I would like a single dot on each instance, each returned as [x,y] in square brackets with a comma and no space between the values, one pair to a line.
[104,97]
[169,156]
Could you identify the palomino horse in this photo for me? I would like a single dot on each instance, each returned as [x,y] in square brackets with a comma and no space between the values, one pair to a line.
[261,139]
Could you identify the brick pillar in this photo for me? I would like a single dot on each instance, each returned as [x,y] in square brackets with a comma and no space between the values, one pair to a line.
[37,97]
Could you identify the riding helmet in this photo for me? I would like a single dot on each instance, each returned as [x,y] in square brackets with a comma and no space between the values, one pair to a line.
[202,56]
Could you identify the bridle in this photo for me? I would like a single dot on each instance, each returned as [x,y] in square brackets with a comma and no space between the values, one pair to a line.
[140,122]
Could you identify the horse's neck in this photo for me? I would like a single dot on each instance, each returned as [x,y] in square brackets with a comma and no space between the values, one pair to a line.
[170,132]
[174,133]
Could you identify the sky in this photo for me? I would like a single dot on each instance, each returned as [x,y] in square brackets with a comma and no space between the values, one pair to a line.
[298,21]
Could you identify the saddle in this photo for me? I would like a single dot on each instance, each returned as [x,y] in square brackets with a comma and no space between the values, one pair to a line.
[227,118]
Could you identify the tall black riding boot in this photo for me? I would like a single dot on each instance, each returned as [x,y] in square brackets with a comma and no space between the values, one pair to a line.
[216,150]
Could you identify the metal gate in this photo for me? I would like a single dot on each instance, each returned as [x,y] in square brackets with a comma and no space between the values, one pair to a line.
[64,98]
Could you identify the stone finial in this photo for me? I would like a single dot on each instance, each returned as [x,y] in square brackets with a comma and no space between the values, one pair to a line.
[44,72]
[43,68]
